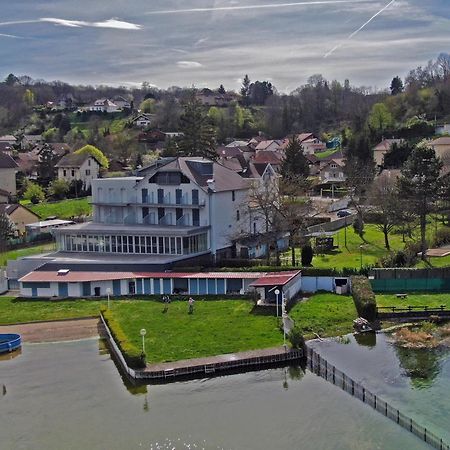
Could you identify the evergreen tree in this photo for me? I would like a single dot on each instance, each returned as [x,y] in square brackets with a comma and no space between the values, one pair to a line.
[396,86]
[420,183]
[46,169]
[245,91]
[294,163]
[222,90]
[307,255]
[6,231]
[198,132]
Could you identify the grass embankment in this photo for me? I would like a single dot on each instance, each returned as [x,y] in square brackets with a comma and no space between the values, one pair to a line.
[325,314]
[415,299]
[65,209]
[15,310]
[27,251]
[216,327]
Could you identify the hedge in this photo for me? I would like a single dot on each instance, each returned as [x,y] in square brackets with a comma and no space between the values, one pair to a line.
[364,298]
[133,355]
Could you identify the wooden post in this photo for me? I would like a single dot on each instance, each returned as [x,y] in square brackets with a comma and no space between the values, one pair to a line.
[364,395]
[398,416]
[334,375]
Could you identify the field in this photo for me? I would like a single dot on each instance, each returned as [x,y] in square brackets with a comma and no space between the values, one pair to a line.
[65,209]
[216,327]
[415,299]
[325,314]
[28,251]
[15,310]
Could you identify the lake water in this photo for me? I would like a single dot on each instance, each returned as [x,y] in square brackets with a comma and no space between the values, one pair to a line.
[71,396]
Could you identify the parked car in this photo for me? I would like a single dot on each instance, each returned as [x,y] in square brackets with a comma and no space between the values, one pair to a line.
[343,213]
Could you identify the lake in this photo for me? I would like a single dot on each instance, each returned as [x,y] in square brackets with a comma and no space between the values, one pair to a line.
[71,396]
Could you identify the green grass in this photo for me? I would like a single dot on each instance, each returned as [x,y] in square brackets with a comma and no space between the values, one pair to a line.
[325,314]
[15,310]
[434,261]
[64,209]
[326,153]
[415,299]
[216,327]
[28,251]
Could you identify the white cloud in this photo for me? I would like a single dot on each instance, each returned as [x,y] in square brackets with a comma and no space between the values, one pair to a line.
[189,64]
[109,23]
[117,24]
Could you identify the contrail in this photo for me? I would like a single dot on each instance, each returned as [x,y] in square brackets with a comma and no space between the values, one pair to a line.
[359,29]
[269,5]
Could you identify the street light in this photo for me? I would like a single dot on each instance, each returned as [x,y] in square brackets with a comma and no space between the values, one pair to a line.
[284,316]
[360,254]
[108,293]
[277,293]
[143,332]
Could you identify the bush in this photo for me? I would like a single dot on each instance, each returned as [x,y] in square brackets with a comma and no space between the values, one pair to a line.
[307,255]
[364,298]
[34,193]
[296,338]
[133,356]
[442,237]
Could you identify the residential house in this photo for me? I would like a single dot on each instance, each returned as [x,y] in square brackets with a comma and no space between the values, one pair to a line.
[27,163]
[8,139]
[143,120]
[4,196]
[58,148]
[441,146]
[121,102]
[382,148]
[269,145]
[66,101]
[311,143]
[19,216]
[8,169]
[332,176]
[443,128]
[269,157]
[176,209]
[103,105]
[207,97]
[31,140]
[76,166]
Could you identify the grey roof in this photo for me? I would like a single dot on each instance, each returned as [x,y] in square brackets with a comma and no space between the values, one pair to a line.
[6,162]
[200,170]
[11,207]
[74,160]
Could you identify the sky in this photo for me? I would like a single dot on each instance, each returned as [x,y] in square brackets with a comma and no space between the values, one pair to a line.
[209,42]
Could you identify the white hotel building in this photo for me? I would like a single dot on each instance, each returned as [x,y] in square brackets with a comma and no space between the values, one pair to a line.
[176,209]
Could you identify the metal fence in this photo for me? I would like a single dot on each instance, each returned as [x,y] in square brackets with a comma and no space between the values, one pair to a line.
[324,369]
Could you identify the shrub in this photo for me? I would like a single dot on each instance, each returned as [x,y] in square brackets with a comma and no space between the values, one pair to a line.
[296,338]
[442,237]
[307,255]
[133,355]
[364,298]
[34,193]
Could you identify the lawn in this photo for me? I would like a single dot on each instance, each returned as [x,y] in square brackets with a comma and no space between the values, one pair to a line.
[326,153]
[64,209]
[325,314]
[15,310]
[415,299]
[216,327]
[18,253]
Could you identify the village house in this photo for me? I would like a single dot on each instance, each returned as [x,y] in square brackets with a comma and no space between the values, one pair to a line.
[8,169]
[311,143]
[121,102]
[19,216]
[143,120]
[103,105]
[31,140]
[76,166]
[332,176]
[273,158]
[4,196]
[269,145]
[8,139]
[382,148]
[441,146]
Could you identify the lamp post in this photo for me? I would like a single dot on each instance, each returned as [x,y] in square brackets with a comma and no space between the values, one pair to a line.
[143,332]
[108,293]
[360,256]
[283,315]
[277,293]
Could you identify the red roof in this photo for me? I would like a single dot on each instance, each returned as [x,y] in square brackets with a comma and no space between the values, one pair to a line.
[275,279]
[279,278]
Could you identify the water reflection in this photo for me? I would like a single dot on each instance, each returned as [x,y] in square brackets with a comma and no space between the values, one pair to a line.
[366,339]
[8,356]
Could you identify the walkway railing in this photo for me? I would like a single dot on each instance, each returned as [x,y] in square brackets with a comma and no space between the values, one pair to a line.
[324,369]
[424,312]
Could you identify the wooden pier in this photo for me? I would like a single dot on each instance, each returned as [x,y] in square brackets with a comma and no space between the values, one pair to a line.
[201,367]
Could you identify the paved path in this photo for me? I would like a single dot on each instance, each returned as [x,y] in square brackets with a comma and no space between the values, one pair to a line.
[55,331]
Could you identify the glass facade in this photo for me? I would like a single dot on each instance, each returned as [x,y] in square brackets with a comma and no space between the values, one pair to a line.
[131,244]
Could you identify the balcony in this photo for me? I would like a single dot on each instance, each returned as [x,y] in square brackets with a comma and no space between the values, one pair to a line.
[152,199]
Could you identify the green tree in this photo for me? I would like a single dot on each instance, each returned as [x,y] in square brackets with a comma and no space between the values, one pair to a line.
[46,169]
[396,86]
[420,184]
[294,163]
[28,97]
[11,80]
[94,152]
[59,189]
[198,132]
[6,231]
[34,193]
[245,91]
[307,255]
[148,106]
[64,126]
[50,134]
[380,119]
[222,90]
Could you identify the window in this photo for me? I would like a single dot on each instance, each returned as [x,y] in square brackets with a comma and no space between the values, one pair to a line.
[195,196]
[73,172]
[65,172]
[334,166]
[89,161]
[196,217]
[233,196]
[88,172]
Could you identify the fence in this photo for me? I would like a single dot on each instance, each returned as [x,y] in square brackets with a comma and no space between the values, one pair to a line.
[324,369]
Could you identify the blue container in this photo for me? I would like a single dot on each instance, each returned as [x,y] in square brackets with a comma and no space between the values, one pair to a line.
[9,342]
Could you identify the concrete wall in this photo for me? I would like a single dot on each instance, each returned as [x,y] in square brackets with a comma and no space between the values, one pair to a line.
[8,180]
[314,284]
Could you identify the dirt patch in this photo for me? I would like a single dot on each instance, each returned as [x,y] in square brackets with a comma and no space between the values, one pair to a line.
[67,330]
